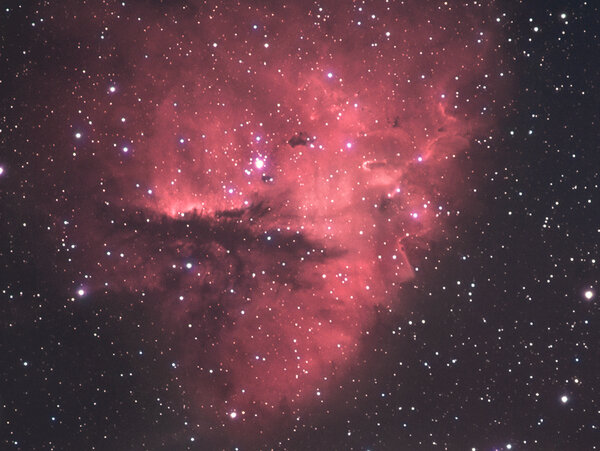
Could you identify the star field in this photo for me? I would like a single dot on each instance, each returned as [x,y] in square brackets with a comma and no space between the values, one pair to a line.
[332,225]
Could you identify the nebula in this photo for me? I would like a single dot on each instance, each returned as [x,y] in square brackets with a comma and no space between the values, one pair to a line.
[264,174]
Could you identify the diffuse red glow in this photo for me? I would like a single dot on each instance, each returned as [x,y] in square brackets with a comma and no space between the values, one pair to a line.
[292,177]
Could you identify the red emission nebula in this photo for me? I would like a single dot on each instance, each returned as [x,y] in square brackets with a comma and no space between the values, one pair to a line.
[263,174]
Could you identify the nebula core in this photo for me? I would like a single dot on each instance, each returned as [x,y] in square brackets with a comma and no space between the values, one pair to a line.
[265,174]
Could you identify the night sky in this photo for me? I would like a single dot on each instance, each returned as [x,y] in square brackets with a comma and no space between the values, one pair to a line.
[336,225]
